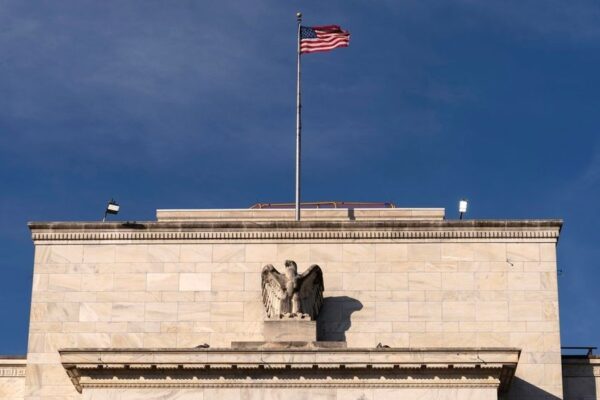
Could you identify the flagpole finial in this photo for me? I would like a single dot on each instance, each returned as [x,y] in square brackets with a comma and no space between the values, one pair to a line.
[299,16]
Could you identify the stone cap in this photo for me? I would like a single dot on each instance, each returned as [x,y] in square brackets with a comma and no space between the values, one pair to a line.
[14,358]
[311,214]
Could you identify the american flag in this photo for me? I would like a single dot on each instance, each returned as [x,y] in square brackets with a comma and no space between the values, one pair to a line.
[322,38]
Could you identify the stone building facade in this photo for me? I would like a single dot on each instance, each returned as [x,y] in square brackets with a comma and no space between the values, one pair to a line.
[416,307]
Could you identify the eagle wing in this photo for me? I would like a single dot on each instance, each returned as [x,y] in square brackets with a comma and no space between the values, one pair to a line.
[273,292]
[311,291]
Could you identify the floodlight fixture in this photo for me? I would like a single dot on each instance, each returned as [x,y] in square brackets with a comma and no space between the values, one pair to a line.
[462,207]
[111,208]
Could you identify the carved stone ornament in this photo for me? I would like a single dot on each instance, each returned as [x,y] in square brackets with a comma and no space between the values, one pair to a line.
[292,295]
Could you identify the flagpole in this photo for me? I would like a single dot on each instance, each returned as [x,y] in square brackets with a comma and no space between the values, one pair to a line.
[298,121]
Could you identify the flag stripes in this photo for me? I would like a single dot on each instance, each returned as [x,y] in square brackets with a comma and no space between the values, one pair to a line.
[322,38]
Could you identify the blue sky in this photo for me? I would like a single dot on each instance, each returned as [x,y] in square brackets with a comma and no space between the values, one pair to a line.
[192,105]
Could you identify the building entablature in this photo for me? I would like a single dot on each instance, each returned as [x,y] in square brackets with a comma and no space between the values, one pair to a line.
[194,230]
[291,367]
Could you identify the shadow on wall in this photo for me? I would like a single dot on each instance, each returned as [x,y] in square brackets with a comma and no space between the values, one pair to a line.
[520,389]
[579,377]
[335,318]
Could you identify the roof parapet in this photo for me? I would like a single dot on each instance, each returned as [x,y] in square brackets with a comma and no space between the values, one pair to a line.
[314,214]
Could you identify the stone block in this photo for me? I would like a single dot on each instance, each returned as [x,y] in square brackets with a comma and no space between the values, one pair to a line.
[522,252]
[163,253]
[442,326]
[111,327]
[55,341]
[228,281]
[326,252]
[424,251]
[93,253]
[391,311]
[40,283]
[391,252]
[525,311]
[134,253]
[424,281]
[254,311]
[491,280]
[191,340]
[133,267]
[409,295]
[193,311]
[548,281]
[391,281]
[263,253]
[359,281]
[550,310]
[487,251]
[524,281]
[228,253]
[226,311]
[548,252]
[457,252]
[143,327]
[293,251]
[409,326]
[458,281]
[62,254]
[93,340]
[127,312]
[160,340]
[127,340]
[372,327]
[290,331]
[162,281]
[333,281]
[176,327]
[195,282]
[492,311]
[160,312]
[96,282]
[64,282]
[458,311]
[179,267]
[424,311]
[94,312]
[129,282]
[358,252]
[62,312]
[177,297]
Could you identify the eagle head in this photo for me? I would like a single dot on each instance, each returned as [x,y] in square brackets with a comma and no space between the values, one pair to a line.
[291,265]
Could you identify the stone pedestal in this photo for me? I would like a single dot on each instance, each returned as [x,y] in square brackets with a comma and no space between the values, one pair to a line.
[290,331]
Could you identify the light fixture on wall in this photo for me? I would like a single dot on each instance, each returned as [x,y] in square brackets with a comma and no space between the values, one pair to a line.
[111,208]
[462,207]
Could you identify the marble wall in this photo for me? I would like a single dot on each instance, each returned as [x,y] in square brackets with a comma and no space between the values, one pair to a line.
[401,293]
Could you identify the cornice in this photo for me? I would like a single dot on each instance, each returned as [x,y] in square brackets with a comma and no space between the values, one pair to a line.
[16,371]
[208,368]
[297,231]
[12,367]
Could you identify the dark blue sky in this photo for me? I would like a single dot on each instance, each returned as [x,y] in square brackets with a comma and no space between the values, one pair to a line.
[192,105]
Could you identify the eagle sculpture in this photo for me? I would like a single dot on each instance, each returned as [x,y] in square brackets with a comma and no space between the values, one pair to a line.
[292,295]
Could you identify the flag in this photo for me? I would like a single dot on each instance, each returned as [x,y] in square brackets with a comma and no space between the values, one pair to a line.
[322,38]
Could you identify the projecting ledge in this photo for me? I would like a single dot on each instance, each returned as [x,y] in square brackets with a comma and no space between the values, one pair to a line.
[291,367]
